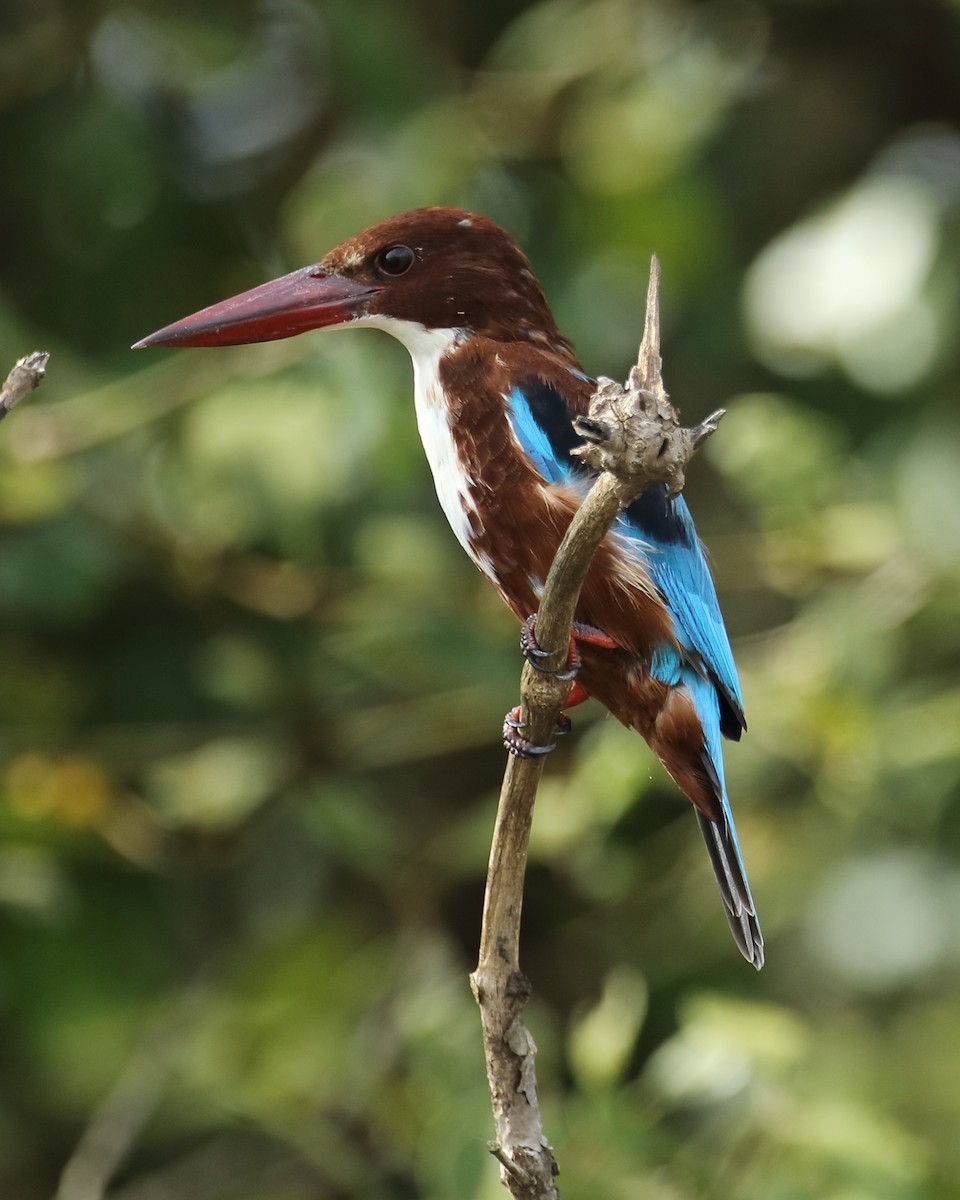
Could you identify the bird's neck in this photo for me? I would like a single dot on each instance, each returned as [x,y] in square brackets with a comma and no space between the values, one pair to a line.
[436,411]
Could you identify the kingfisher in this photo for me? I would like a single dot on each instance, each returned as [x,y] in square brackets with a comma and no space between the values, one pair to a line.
[496,389]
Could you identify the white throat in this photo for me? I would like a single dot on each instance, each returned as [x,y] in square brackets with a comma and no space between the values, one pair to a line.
[427,347]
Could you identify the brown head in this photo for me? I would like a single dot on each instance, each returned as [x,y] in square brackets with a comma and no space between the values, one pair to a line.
[442,268]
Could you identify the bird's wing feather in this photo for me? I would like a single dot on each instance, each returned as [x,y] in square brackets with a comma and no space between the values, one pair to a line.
[658,528]
[542,423]
[662,529]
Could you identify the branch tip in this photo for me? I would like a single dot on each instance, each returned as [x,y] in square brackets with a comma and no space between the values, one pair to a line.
[513,1169]
[649,364]
[27,373]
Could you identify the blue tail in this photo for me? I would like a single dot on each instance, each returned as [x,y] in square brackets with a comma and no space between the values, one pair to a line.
[721,835]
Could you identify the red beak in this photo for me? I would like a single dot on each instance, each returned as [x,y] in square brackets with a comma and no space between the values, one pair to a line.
[304,299]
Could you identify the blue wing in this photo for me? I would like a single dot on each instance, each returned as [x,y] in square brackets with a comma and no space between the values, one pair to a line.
[542,424]
[661,531]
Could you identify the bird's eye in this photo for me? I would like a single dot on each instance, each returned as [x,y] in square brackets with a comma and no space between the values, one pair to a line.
[395,260]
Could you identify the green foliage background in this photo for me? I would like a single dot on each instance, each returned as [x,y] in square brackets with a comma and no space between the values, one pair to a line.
[251,690]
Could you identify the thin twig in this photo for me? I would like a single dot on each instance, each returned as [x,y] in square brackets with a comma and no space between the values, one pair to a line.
[119,1120]
[25,376]
[635,440]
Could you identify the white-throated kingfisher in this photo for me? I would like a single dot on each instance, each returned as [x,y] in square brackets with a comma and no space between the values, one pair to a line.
[496,386]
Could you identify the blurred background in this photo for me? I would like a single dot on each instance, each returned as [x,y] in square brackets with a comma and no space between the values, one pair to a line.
[251,690]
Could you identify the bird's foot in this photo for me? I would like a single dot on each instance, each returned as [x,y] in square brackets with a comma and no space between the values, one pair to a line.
[581,632]
[521,747]
[592,636]
[534,655]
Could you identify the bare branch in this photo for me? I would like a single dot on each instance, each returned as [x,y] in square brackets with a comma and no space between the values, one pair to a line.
[635,432]
[25,376]
[634,438]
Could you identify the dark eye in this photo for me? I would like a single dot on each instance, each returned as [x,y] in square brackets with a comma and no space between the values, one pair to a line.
[395,260]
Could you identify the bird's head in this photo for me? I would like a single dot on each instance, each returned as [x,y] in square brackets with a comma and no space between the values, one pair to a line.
[433,268]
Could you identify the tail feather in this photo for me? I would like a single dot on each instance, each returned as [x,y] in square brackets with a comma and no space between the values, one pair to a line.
[734,890]
[720,834]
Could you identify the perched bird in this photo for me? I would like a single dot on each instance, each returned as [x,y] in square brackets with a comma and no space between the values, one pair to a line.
[496,386]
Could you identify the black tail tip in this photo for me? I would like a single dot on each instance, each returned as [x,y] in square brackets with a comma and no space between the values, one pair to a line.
[749,939]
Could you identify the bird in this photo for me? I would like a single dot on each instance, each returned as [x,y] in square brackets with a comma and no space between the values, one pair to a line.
[496,389]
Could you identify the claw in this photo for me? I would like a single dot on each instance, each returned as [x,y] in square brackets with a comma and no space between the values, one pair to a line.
[532,652]
[528,642]
[514,740]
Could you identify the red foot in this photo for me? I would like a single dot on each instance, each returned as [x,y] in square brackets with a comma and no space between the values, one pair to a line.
[589,634]
[534,655]
[593,636]
[517,744]
[513,739]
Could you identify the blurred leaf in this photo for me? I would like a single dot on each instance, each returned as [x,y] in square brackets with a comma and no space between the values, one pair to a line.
[603,1038]
[218,785]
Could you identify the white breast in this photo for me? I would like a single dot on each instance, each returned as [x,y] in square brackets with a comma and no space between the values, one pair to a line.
[427,347]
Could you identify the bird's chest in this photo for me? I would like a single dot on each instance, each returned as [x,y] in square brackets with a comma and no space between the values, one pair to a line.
[454,474]
[501,512]
[489,496]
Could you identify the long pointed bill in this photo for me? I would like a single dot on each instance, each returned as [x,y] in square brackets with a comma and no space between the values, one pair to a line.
[304,299]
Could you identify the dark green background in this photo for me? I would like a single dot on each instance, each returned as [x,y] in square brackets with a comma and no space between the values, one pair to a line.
[251,690]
